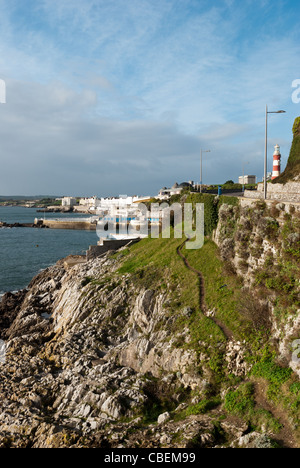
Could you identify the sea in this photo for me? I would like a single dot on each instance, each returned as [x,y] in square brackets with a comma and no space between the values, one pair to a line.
[24,252]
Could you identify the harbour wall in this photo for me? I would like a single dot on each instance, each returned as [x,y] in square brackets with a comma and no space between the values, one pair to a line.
[289,192]
[20,225]
[75,225]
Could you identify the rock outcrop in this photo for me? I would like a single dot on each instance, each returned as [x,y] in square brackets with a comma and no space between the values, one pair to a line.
[96,358]
[261,243]
[91,362]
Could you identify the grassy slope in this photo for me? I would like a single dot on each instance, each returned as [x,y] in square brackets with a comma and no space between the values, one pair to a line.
[154,263]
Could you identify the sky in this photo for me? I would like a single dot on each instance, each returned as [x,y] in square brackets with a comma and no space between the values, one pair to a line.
[109,97]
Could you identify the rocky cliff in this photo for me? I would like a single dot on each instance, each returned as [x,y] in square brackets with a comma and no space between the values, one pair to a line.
[261,244]
[90,361]
[122,352]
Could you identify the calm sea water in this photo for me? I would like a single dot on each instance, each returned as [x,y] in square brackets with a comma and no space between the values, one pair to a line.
[24,252]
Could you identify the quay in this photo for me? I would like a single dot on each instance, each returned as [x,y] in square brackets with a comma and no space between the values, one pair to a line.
[89,224]
[21,225]
[82,225]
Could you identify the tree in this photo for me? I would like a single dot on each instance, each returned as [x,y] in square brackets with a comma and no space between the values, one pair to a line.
[229,182]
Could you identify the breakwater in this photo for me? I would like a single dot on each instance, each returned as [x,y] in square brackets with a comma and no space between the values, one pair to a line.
[21,225]
[79,225]
[53,224]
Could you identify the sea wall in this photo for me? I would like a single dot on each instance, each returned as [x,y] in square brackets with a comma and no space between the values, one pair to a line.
[20,225]
[281,192]
[75,225]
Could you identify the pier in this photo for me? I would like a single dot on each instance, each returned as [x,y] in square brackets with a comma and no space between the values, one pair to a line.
[79,225]
[21,225]
[75,224]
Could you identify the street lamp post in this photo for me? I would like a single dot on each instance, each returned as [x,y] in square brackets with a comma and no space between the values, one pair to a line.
[206,151]
[266,148]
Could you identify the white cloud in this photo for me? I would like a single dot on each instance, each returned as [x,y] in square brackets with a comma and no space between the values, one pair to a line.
[60,145]
[129,90]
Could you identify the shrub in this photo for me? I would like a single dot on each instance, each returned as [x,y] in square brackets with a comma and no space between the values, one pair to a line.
[272,372]
[239,402]
[203,407]
[86,281]
[256,311]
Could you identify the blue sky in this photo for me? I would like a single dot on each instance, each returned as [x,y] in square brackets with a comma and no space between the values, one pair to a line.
[119,96]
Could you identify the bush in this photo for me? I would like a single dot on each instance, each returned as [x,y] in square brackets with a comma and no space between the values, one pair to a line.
[270,371]
[203,407]
[210,210]
[229,182]
[256,311]
[87,280]
[240,401]
[264,442]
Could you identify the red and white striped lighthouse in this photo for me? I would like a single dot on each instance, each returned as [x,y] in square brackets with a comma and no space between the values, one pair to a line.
[276,162]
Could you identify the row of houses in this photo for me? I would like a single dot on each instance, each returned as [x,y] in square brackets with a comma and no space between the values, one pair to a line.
[165,193]
[101,205]
[98,204]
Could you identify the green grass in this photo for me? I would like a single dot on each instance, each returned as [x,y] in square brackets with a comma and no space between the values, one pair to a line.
[283,387]
[275,375]
[154,264]
[204,406]
[241,401]
[222,292]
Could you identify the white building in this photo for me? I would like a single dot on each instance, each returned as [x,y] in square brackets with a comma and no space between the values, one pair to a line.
[91,202]
[122,201]
[247,179]
[68,201]
[165,193]
[103,206]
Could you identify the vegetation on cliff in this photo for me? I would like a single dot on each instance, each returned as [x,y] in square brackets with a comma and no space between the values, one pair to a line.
[160,346]
[292,171]
[251,288]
